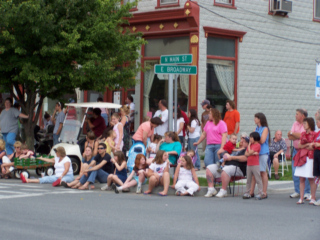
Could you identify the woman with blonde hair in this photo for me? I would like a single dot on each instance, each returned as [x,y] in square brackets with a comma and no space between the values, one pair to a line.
[8,161]
[125,120]
[215,131]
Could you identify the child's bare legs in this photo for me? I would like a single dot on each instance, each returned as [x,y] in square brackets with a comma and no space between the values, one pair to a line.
[302,186]
[109,179]
[130,184]
[165,181]
[116,180]
[153,181]
[73,183]
[77,185]
[84,186]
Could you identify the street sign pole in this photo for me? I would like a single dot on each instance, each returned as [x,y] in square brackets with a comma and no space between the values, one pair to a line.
[175,102]
[170,97]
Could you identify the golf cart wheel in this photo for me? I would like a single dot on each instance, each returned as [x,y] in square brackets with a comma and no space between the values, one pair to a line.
[76,165]
[25,173]
[17,173]
[38,171]
[50,171]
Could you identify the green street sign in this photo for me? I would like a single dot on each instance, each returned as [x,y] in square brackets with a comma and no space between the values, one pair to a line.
[176,59]
[172,69]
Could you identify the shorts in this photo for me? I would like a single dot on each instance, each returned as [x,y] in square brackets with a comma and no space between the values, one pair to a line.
[263,162]
[272,155]
[137,179]
[231,170]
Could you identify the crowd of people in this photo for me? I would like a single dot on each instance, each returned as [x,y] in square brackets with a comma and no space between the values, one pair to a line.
[104,155]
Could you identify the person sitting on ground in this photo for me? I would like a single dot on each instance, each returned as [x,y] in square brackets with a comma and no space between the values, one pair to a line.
[8,161]
[97,123]
[253,167]
[85,164]
[26,153]
[152,149]
[171,145]
[138,176]
[62,168]
[158,173]
[278,145]
[234,166]
[100,171]
[229,147]
[110,142]
[91,142]
[2,152]
[186,176]
[120,172]
[191,153]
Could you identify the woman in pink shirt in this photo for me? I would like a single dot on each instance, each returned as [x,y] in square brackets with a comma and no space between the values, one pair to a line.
[216,133]
[146,130]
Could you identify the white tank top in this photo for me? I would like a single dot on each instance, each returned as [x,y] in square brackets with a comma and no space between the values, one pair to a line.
[185,174]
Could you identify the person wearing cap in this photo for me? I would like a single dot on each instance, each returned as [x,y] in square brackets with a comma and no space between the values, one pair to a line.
[204,119]
[163,114]
[294,134]
[97,123]
[62,168]
[232,118]
[57,122]
[235,165]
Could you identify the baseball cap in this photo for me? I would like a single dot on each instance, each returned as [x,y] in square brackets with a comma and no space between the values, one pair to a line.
[246,139]
[204,102]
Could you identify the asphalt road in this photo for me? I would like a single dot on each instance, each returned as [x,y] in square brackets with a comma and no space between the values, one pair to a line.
[34,211]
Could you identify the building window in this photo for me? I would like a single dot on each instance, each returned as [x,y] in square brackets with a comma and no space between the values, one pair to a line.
[221,59]
[155,86]
[166,2]
[224,3]
[317,10]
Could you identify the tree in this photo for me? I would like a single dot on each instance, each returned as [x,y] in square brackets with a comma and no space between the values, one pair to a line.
[50,47]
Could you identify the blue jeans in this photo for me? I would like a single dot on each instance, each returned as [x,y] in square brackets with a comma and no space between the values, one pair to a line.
[191,141]
[210,155]
[52,179]
[296,180]
[105,117]
[55,139]
[10,139]
[100,175]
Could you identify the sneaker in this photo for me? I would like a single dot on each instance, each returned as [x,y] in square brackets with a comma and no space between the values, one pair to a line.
[105,187]
[295,195]
[114,187]
[317,203]
[222,193]
[138,190]
[307,196]
[246,196]
[258,197]
[211,193]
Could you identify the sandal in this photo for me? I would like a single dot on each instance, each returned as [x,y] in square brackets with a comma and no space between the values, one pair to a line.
[264,196]
[300,201]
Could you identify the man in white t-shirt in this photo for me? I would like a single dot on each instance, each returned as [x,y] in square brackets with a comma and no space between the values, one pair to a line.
[130,103]
[163,114]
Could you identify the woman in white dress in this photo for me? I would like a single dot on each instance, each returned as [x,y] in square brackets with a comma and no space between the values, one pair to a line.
[303,160]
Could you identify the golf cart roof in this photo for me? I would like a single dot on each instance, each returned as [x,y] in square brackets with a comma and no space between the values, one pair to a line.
[94,105]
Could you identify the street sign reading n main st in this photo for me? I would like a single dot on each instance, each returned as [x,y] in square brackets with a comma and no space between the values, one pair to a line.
[176,59]
[175,69]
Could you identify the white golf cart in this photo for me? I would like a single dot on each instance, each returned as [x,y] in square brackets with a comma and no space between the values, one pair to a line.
[72,130]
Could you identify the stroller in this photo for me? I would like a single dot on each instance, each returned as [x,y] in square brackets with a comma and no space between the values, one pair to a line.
[44,139]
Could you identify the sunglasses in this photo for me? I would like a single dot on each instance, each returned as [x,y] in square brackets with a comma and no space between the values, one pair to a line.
[101,148]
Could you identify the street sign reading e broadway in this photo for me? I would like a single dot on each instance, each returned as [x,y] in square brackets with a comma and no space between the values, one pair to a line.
[176,59]
[179,69]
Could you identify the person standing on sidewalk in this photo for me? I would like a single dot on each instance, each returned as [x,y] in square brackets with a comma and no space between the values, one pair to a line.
[163,114]
[58,122]
[9,124]
[204,119]
[295,134]
[232,118]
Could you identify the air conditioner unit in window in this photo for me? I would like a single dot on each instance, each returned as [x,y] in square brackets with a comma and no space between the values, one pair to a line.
[282,6]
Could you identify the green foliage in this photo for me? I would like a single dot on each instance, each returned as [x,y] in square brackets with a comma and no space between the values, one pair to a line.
[51,47]
[43,41]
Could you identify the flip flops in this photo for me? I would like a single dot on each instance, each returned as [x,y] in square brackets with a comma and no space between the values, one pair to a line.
[23,179]
[300,202]
[162,195]
[65,184]
[56,183]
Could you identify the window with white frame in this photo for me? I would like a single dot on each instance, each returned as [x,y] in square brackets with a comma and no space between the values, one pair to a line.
[225,2]
[317,9]
[166,2]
